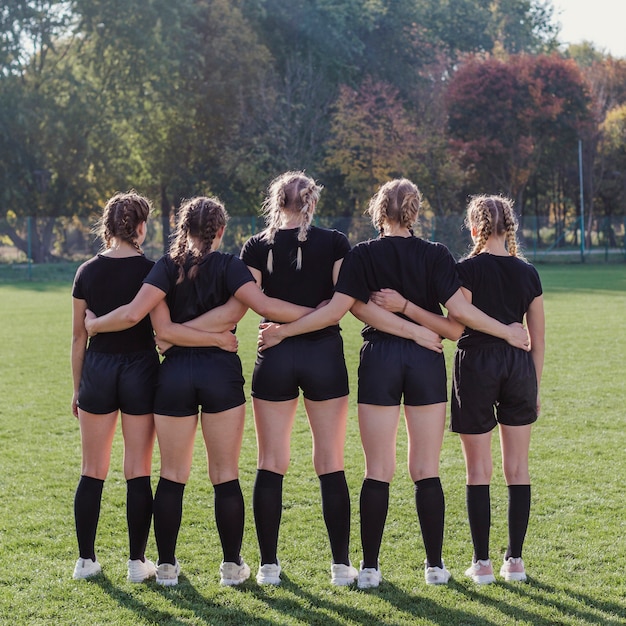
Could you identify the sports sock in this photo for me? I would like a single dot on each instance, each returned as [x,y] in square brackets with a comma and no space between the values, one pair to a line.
[478,502]
[168,514]
[267,503]
[229,517]
[138,515]
[430,506]
[336,511]
[519,512]
[374,504]
[86,514]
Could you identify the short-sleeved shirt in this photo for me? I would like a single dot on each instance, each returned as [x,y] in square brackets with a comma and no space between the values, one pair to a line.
[503,287]
[219,276]
[422,271]
[313,282]
[106,283]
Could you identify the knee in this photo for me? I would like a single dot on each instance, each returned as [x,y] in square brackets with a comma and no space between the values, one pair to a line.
[516,474]
[276,461]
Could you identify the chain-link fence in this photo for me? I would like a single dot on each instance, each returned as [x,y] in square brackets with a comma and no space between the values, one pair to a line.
[38,240]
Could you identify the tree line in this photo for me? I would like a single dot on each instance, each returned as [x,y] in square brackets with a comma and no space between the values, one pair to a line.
[180,97]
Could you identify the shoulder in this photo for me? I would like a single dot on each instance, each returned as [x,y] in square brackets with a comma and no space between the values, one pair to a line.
[254,244]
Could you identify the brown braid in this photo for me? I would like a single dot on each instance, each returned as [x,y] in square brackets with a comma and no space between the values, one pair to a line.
[122,215]
[294,192]
[397,201]
[200,219]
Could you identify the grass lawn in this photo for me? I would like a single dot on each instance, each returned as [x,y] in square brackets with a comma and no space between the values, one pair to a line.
[575,553]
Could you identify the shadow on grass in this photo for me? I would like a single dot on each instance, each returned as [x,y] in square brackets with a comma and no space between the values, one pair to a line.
[612,613]
[187,599]
[128,602]
[315,609]
[536,593]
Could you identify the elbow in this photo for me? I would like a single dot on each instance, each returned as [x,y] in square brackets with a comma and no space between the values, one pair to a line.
[454,335]
[131,318]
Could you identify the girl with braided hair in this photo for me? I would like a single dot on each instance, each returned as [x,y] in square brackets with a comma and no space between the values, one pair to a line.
[299,263]
[194,285]
[399,360]
[489,374]
[114,373]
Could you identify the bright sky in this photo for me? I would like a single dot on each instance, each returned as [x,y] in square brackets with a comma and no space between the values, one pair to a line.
[603,22]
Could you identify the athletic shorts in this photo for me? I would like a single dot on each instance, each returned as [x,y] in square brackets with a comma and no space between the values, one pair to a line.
[114,381]
[492,384]
[391,368]
[313,363]
[189,378]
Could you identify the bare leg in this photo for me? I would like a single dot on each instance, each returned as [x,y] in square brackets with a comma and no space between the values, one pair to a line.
[274,423]
[328,425]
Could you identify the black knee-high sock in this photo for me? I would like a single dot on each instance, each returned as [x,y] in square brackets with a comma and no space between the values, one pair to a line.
[138,515]
[479,516]
[336,511]
[430,505]
[168,514]
[229,517]
[374,504]
[519,512]
[86,514]
[267,502]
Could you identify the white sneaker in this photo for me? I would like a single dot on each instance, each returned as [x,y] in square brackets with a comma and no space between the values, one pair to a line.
[139,570]
[369,577]
[481,572]
[342,575]
[513,569]
[167,574]
[86,568]
[269,574]
[233,573]
[436,575]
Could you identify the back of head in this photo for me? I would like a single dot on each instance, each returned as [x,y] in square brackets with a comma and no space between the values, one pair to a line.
[199,219]
[396,202]
[492,215]
[122,215]
[295,193]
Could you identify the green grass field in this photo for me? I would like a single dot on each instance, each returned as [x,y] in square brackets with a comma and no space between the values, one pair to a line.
[575,551]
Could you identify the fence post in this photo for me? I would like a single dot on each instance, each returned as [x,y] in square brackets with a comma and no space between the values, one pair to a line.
[29,247]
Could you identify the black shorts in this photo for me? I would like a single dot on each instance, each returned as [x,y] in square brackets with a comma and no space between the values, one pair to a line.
[191,377]
[492,384]
[392,367]
[114,381]
[313,363]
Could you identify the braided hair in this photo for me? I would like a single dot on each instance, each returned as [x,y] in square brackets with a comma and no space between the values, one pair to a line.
[122,215]
[292,192]
[199,218]
[396,201]
[492,215]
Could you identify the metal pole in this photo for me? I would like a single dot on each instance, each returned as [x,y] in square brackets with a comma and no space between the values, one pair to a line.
[29,248]
[582,201]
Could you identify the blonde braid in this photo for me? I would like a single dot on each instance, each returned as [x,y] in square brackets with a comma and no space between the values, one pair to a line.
[479,216]
[409,208]
[291,191]
[510,227]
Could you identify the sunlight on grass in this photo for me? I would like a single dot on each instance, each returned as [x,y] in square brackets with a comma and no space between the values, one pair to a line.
[574,552]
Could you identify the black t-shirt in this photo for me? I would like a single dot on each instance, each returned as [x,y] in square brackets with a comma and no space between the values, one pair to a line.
[313,282]
[219,276]
[422,271]
[107,283]
[502,287]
